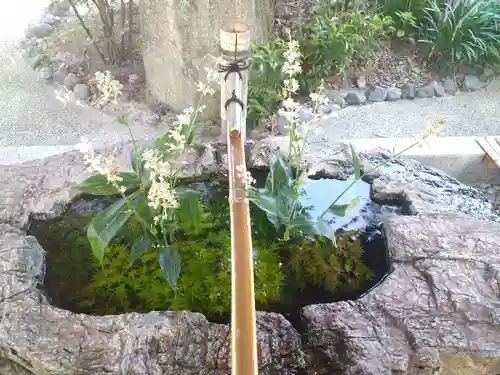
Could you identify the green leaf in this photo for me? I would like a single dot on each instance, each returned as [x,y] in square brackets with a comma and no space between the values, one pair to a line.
[191,214]
[105,225]
[301,223]
[343,209]
[138,167]
[98,185]
[400,33]
[266,202]
[143,211]
[123,120]
[141,244]
[170,264]
[280,174]
[324,229]
[355,163]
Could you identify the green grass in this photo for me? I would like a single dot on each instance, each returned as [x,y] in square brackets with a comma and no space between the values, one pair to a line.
[464,32]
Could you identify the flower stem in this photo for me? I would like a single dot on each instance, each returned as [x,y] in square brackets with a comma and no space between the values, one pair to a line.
[369,171]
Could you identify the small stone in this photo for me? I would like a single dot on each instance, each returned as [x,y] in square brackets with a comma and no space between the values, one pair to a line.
[60,75]
[394,93]
[336,97]
[426,91]
[329,108]
[409,91]
[487,75]
[450,86]
[439,90]
[133,78]
[59,8]
[71,81]
[361,82]
[355,98]
[305,115]
[326,109]
[81,91]
[45,73]
[471,83]
[30,52]
[49,19]
[377,94]
[34,61]
[39,30]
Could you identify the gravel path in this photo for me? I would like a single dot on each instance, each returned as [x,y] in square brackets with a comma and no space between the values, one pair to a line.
[466,114]
[33,123]
[30,113]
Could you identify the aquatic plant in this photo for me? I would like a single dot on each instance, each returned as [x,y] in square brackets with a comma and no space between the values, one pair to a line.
[280,197]
[204,283]
[148,193]
[283,270]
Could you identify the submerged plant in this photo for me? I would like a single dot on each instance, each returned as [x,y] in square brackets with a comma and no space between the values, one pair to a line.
[282,270]
[148,193]
[204,283]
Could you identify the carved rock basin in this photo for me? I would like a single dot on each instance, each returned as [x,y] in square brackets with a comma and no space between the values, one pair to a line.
[438,312]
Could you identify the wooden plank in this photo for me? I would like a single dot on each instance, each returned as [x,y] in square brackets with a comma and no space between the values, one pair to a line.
[488,162]
[493,159]
[494,145]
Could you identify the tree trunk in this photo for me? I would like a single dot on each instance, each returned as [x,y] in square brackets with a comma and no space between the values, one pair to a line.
[181,38]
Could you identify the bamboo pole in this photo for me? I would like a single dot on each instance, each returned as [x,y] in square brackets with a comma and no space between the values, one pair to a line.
[235,45]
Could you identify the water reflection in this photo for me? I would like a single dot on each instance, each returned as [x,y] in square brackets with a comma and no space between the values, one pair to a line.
[320,194]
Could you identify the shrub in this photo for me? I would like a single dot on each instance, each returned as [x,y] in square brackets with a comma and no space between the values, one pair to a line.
[114,40]
[333,43]
[149,193]
[265,80]
[330,43]
[406,14]
[336,268]
[462,32]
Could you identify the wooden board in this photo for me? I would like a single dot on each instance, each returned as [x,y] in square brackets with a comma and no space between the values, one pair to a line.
[491,147]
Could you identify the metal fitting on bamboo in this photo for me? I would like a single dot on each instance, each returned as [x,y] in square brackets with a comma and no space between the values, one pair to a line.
[235,45]
[235,50]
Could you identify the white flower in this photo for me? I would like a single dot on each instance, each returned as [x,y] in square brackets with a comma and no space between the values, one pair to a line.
[290,104]
[110,168]
[291,85]
[158,168]
[242,173]
[177,141]
[205,89]
[105,165]
[109,87]
[185,117]
[162,198]
[213,76]
[318,98]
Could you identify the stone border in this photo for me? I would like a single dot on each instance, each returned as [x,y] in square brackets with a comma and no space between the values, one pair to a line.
[338,98]
[56,14]
[441,301]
